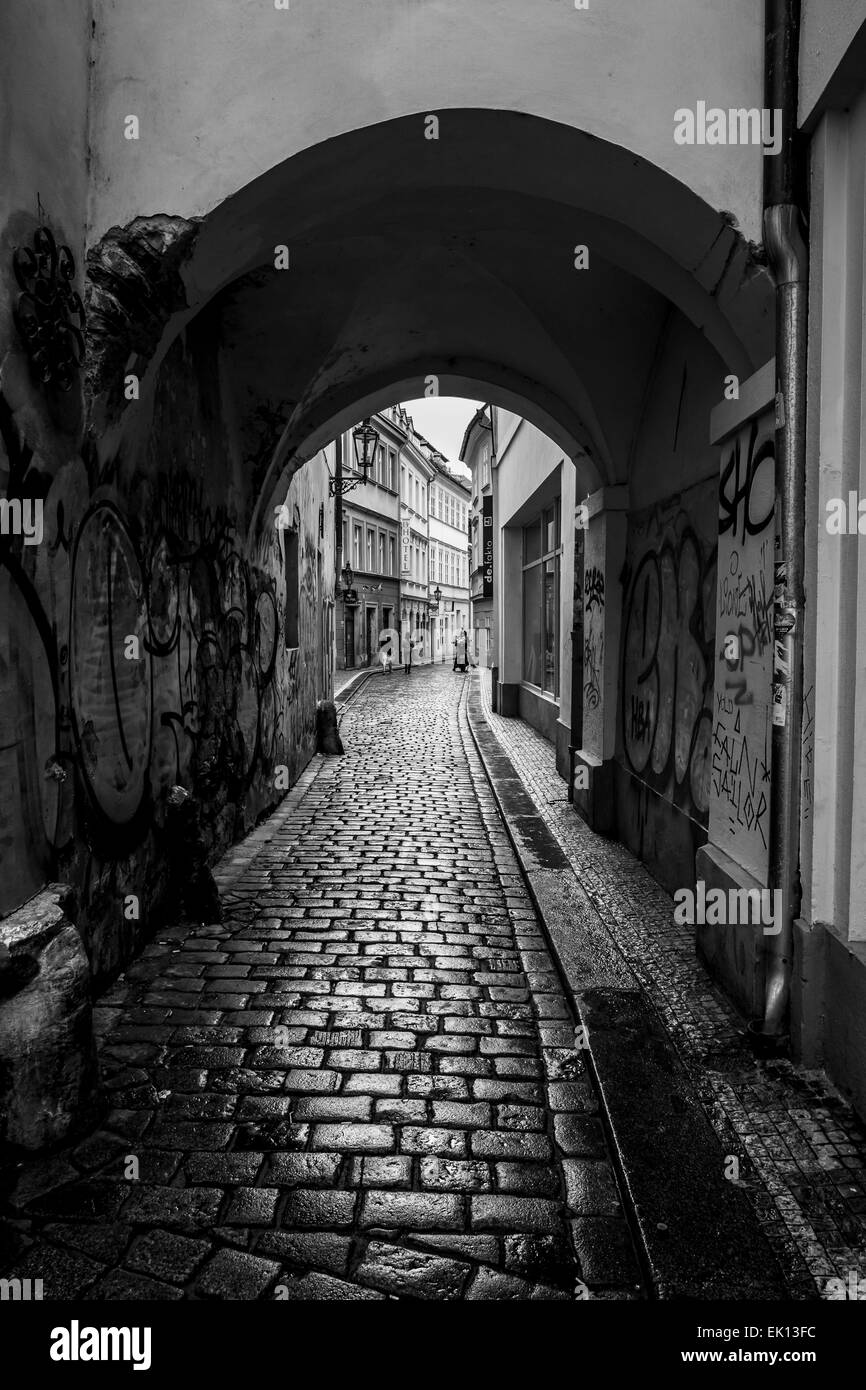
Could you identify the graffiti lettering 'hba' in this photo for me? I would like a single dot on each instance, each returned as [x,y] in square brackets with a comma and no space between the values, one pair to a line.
[668,663]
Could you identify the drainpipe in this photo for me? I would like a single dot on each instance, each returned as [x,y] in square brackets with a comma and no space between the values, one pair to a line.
[338,509]
[784,199]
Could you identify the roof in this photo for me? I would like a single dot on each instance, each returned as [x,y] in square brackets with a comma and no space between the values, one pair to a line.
[398,417]
[477,419]
[441,466]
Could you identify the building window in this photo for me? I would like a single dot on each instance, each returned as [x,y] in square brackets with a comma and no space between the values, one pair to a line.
[356,547]
[381,552]
[392,470]
[371,541]
[392,555]
[541,555]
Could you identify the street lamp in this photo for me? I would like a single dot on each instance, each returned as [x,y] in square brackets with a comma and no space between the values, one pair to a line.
[365,439]
[437,595]
[348,575]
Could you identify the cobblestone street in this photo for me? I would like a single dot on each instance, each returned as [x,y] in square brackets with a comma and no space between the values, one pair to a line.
[364,1083]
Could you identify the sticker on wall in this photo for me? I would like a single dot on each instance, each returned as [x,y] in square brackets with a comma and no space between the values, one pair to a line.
[784,622]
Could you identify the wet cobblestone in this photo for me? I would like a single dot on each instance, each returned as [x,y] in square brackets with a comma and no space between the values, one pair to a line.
[362,1084]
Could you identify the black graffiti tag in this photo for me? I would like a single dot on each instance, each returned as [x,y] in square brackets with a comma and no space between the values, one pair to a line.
[736,485]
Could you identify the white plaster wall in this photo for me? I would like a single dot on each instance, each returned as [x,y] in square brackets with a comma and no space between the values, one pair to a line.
[526,458]
[827,28]
[226,89]
[833,815]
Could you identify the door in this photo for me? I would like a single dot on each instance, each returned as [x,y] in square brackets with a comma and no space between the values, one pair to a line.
[328,649]
[371,634]
[350,639]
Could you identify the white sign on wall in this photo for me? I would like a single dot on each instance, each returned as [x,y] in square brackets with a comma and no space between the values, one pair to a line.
[740,801]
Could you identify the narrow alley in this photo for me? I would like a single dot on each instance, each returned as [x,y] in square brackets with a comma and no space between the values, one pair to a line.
[365,1081]
[431,672]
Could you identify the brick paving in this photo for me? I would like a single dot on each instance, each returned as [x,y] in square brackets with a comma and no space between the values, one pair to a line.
[802,1148]
[362,1084]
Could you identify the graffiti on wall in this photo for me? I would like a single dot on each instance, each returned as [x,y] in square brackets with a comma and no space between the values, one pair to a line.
[593,637]
[34,805]
[808,786]
[594,588]
[141,646]
[577,640]
[190,707]
[670,587]
[741,764]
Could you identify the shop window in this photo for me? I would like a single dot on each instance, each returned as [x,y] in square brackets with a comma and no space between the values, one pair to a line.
[541,561]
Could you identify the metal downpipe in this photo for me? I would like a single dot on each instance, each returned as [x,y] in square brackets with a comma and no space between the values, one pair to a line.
[786,247]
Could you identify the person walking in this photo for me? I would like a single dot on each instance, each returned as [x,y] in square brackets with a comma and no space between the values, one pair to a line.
[461,653]
[408,648]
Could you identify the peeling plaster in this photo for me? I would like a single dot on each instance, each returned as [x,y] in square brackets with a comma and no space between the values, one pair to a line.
[134,285]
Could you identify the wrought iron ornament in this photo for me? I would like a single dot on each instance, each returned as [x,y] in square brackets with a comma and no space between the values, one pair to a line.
[49,315]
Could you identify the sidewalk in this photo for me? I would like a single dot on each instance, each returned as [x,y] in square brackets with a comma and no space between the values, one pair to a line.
[345,682]
[802,1149]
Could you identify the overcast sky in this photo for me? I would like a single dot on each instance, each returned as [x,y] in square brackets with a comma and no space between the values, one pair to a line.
[442,420]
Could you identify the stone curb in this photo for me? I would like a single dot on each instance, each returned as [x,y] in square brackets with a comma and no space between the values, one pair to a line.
[348,691]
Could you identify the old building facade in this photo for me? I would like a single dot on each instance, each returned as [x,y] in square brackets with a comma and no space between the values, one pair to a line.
[477,453]
[416,474]
[449,561]
[370,512]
